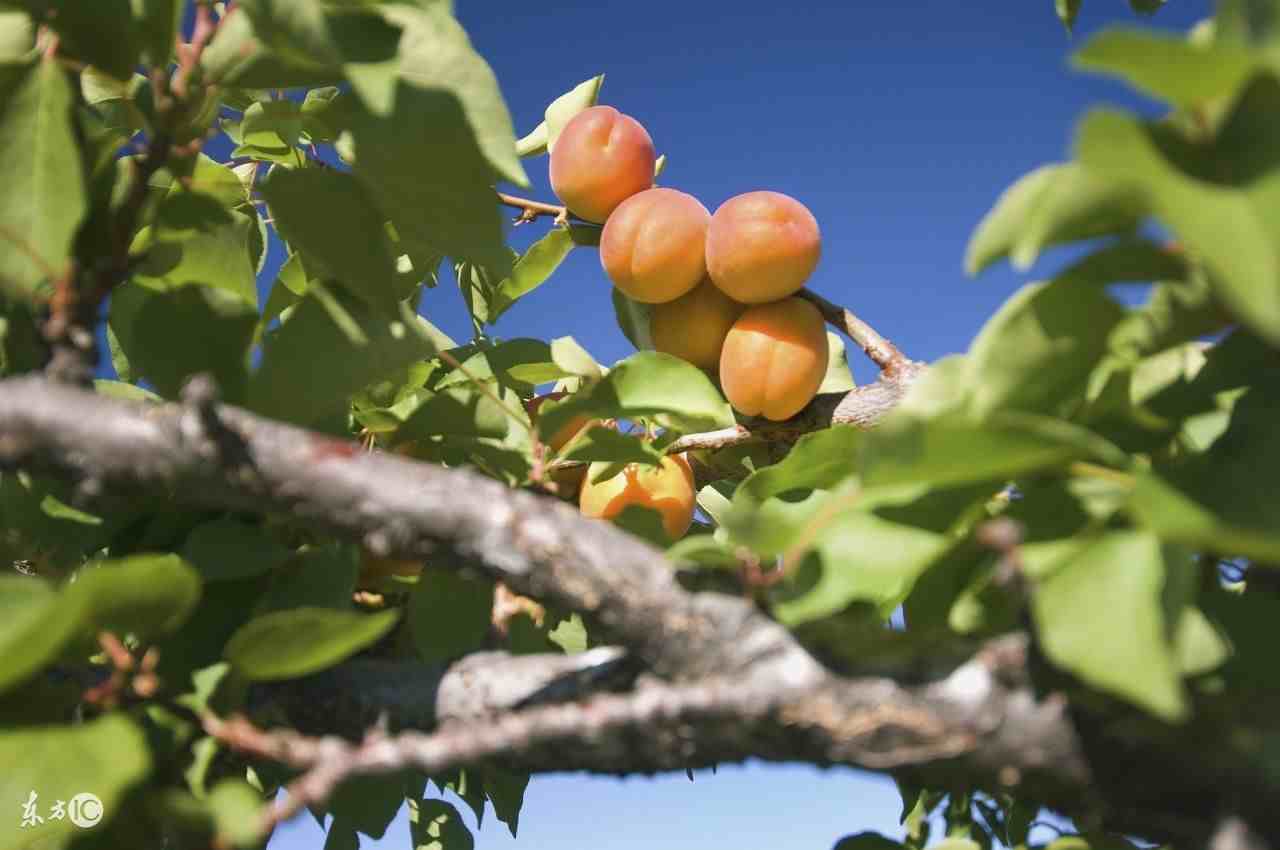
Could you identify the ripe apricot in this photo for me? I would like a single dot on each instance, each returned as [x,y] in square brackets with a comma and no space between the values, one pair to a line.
[667,489]
[774,359]
[653,247]
[693,326]
[601,158]
[762,246]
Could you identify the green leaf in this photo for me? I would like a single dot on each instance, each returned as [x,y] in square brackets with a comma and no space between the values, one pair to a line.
[102,33]
[35,624]
[216,255]
[1051,205]
[288,644]
[518,363]
[838,379]
[238,57]
[952,449]
[230,811]
[1168,67]
[317,577]
[573,359]
[426,172]
[41,171]
[455,411]
[1067,11]
[17,35]
[505,790]
[1037,352]
[269,132]
[170,335]
[106,757]
[312,365]
[1099,615]
[867,841]
[1229,227]
[561,110]
[295,29]
[858,554]
[607,444]
[230,549]
[648,385]
[449,615]
[328,217]
[534,143]
[437,825]
[633,320]
[158,22]
[534,267]
[144,595]
[1179,518]
[437,57]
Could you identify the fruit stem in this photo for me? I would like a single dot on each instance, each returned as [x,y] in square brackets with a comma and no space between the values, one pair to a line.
[883,353]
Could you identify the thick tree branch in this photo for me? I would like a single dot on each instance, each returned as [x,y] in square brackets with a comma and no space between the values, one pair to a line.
[205,454]
[978,726]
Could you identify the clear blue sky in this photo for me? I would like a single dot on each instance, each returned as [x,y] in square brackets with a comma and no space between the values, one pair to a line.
[897,123]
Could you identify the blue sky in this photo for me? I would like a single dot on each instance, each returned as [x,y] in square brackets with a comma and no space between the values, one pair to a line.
[898,124]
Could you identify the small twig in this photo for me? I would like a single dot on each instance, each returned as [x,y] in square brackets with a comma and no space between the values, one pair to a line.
[531,210]
[201,34]
[882,352]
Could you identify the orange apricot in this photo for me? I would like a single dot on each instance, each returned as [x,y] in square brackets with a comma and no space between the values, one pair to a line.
[774,359]
[653,246]
[762,246]
[693,326]
[667,489]
[601,158]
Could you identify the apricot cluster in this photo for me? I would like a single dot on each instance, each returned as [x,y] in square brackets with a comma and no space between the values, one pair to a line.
[722,286]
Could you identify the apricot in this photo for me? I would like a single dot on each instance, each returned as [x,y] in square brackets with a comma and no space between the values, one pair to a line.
[762,246]
[774,359]
[667,489]
[601,158]
[693,326]
[653,247]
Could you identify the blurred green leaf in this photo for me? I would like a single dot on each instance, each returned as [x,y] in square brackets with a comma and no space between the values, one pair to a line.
[1168,67]
[1099,615]
[145,595]
[101,33]
[1067,11]
[1037,352]
[230,549]
[35,624]
[158,22]
[1229,225]
[458,411]
[1053,204]
[292,643]
[608,444]
[39,166]
[106,757]
[449,615]
[437,825]
[573,359]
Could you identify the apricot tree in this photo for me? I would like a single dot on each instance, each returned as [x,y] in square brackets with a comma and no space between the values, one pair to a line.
[315,544]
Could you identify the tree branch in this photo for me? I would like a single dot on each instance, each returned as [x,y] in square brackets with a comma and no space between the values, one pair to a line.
[974,726]
[205,454]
